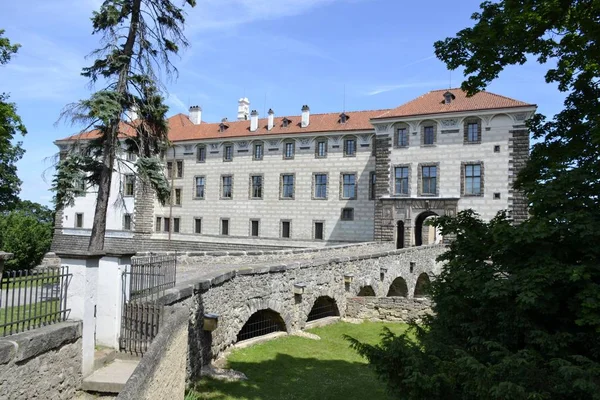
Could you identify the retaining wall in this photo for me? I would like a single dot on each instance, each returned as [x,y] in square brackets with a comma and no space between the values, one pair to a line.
[44,363]
[397,309]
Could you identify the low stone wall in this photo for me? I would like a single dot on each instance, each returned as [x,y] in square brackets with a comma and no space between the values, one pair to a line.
[397,309]
[161,373]
[44,363]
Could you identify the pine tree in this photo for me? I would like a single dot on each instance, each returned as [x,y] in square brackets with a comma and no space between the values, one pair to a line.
[139,37]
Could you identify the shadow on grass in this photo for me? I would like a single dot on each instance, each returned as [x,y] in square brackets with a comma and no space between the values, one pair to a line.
[288,377]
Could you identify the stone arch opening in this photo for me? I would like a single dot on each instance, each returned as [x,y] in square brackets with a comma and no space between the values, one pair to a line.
[366,291]
[399,234]
[323,307]
[261,323]
[425,234]
[422,286]
[398,288]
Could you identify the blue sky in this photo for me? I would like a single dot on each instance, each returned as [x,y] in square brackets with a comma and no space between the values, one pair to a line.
[289,52]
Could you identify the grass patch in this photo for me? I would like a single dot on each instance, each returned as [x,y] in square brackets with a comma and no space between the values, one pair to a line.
[298,368]
[14,314]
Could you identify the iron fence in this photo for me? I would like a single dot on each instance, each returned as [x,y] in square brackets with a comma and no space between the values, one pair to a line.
[261,323]
[30,299]
[144,283]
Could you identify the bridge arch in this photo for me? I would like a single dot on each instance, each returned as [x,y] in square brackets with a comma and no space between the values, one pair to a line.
[366,290]
[323,307]
[398,288]
[260,323]
[422,285]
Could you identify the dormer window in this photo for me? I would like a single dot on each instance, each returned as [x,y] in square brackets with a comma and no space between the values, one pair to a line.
[343,118]
[286,122]
[448,97]
[222,127]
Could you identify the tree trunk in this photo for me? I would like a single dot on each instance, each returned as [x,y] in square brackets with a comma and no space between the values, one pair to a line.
[109,146]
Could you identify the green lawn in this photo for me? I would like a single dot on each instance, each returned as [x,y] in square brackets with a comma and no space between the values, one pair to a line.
[14,314]
[298,368]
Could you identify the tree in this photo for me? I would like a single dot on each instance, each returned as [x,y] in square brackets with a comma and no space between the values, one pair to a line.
[10,126]
[27,233]
[517,308]
[139,36]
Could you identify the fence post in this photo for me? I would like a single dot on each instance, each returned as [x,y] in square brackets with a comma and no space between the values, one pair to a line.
[82,295]
[110,291]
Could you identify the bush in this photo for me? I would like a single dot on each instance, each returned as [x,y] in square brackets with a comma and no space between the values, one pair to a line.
[25,235]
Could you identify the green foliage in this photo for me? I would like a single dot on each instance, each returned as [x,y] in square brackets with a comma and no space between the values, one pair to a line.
[517,308]
[138,36]
[10,126]
[27,233]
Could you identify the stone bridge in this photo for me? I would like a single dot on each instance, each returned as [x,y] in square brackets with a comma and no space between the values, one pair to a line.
[231,298]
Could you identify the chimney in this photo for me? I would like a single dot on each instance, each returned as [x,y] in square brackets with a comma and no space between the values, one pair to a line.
[243,109]
[196,115]
[305,116]
[271,119]
[253,121]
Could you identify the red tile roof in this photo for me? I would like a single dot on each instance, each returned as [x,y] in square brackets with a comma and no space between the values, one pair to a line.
[433,103]
[182,129]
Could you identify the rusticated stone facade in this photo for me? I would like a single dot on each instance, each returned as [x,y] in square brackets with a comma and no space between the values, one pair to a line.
[519,154]
[384,228]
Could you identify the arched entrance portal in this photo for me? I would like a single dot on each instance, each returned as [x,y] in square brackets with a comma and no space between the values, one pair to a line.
[399,234]
[425,234]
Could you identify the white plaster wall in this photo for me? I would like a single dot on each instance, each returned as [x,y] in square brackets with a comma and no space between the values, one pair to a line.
[108,312]
[302,210]
[117,204]
[450,151]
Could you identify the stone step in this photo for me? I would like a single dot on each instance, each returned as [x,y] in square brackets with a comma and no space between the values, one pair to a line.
[111,378]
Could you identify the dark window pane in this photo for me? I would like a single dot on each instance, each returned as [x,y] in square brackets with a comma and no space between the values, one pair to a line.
[254,228]
[285,229]
[319,230]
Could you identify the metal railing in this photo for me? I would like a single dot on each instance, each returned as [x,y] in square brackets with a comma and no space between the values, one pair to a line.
[30,299]
[144,283]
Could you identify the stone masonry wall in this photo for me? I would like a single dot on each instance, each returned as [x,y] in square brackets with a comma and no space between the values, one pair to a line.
[236,295]
[44,363]
[383,230]
[519,154]
[397,309]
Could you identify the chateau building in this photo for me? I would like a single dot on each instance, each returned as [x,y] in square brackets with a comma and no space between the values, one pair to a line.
[341,177]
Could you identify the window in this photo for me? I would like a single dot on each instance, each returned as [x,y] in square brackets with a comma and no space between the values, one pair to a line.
[198,225]
[428,135]
[347,214]
[349,147]
[285,122]
[225,227]
[496,149]
[288,150]
[473,179]
[227,187]
[79,220]
[79,187]
[158,226]
[127,222]
[401,180]
[129,185]
[321,149]
[319,230]
[228,152]
[429,177]
[402,137]
[287,186]
[167,225]
[320,186]
[201,154]
[177,196]
[372,186]
[131,156]
[286,229]
[472,132]
[178,169]
[348,186]
[254,227]
[258,151]
[176,225]
[200,187]
[497,196]
[256,187]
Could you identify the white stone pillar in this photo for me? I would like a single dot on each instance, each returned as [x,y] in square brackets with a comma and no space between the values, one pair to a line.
[82,295]
[110,291]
